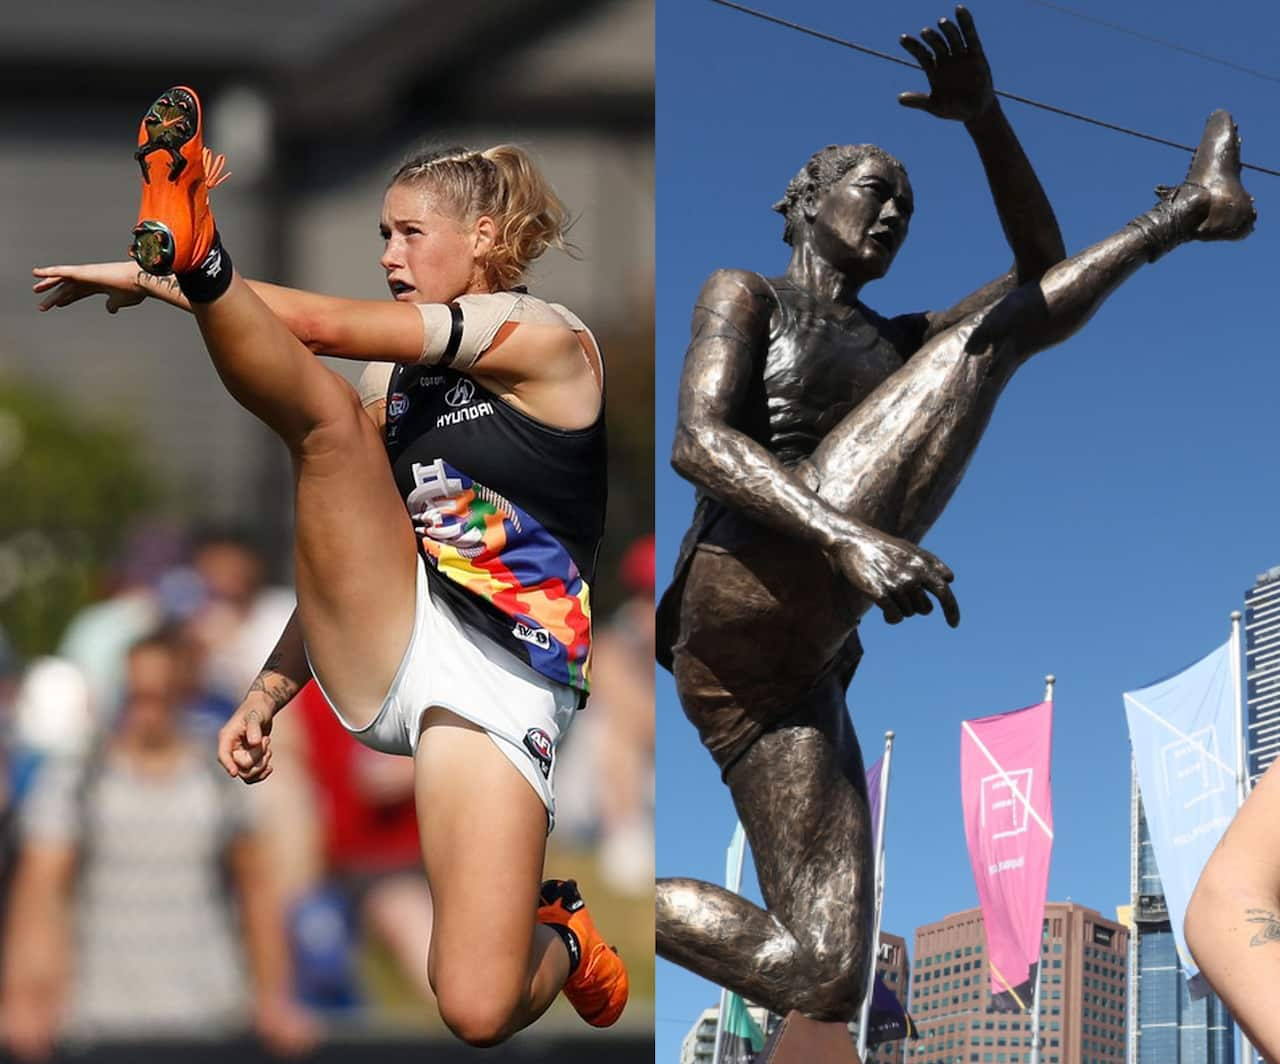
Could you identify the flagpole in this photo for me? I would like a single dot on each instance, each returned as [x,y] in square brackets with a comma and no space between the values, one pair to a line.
[878,887]
[1049,681]
[733,880]
[1242,768]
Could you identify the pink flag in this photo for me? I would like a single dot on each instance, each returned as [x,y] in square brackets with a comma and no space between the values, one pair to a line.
[1008,822]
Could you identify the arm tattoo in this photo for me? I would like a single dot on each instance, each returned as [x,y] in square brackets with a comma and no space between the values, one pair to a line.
[1270,926]
[150,280]
[279,689]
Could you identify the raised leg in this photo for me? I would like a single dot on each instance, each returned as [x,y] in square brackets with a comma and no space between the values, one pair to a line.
[354,544]
[895,461]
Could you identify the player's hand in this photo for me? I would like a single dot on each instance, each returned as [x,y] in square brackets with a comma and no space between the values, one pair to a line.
[63,285]
[898,576]
[959,77]
[244,743]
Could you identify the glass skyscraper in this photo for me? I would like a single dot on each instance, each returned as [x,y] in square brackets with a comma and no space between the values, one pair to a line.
[1165,1025]
[1262,671]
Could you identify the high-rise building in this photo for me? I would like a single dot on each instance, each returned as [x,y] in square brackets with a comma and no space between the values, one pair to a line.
[1082,993]
[1262,671]
[699,1044]
[1166,1026]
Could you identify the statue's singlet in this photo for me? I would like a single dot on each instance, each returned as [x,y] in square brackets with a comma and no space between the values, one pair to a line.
[820,362]
[509,513]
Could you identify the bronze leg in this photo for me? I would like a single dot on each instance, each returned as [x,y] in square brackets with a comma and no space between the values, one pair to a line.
[809,951]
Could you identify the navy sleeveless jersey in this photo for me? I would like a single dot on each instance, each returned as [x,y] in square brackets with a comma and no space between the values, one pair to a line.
[509,513]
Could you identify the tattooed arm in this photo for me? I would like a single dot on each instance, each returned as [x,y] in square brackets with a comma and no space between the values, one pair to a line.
[1233,921]
[244,743]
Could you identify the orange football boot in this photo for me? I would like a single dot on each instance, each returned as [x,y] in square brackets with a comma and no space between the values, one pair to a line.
[175,229]
[598,987]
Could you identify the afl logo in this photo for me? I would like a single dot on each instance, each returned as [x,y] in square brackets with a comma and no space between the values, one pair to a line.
[461,393]
[538,743]
[397,405]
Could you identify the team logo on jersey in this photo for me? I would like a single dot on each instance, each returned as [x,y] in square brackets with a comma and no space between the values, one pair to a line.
[530,633]
[539,744]
[397,405]
[461,393]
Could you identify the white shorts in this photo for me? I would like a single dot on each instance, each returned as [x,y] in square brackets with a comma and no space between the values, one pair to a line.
[456,668]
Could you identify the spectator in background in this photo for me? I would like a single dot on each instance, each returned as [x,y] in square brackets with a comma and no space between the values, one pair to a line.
[118,923]
[52,718]
[242,616]
[100,635]
[8,831]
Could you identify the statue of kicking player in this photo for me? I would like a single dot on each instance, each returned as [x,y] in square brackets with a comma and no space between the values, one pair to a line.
[824,441]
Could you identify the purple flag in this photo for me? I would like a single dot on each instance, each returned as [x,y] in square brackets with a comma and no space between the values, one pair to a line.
[873,793]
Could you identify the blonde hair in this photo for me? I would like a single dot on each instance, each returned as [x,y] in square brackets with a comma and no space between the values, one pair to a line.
[503,183]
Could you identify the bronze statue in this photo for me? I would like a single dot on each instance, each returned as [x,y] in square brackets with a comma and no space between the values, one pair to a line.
[824,441]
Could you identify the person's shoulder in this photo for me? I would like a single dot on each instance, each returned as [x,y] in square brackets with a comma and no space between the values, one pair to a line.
[521,306]
[744,297]
[730,282]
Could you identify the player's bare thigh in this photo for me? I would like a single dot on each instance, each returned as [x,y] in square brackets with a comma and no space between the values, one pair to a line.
[355,554]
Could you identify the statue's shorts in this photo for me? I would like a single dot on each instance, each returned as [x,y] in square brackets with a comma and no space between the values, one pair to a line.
[760,629]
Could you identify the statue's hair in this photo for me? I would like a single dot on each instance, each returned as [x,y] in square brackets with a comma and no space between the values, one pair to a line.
[823,170]
[503,183]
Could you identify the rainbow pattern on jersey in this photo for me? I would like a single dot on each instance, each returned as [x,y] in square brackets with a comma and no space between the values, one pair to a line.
[495,550]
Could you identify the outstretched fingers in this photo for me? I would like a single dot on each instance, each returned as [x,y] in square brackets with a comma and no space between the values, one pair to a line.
[919,52]
[952,34]
[972,41]
[935,40]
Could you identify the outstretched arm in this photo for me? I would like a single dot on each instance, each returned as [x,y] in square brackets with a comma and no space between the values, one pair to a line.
[960,89]
[363,329]
[730,338]
[543,369]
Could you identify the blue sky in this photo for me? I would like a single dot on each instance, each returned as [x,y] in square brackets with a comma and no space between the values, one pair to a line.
[1124,497]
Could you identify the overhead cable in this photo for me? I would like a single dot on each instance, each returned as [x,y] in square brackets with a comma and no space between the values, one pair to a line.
[999,92]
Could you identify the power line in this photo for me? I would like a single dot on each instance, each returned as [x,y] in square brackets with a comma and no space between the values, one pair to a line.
[999,92]
[1150,39]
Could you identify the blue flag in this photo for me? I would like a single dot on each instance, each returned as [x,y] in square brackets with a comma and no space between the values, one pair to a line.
[1183,731]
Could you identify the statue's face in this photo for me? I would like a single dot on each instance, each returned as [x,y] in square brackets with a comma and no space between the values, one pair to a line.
[860,222]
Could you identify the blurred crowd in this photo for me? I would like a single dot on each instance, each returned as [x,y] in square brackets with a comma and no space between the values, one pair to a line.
[144,892]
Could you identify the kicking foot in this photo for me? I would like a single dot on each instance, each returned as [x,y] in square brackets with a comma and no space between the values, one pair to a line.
[597,986]
[1213,181]
[175,229]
